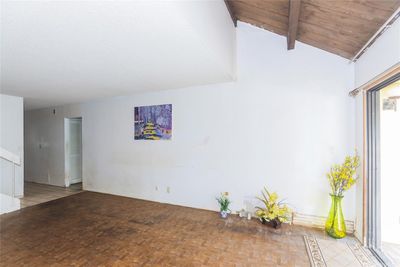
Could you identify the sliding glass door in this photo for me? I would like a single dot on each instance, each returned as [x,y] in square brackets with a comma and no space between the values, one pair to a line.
[383,165]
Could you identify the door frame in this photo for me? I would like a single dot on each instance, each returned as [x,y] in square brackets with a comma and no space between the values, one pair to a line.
[373,179]
[67,180]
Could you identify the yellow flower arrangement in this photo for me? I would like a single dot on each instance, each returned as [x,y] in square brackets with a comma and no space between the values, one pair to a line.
[342,177]
[274,209]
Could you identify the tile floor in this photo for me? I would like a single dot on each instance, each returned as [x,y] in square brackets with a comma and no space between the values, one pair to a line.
[392,251]
[38,193]
[337,253]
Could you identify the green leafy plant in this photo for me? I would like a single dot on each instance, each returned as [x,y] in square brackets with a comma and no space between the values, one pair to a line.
[224,201]
[273,209]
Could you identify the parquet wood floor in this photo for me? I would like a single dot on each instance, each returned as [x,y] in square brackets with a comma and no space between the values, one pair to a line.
[93,229]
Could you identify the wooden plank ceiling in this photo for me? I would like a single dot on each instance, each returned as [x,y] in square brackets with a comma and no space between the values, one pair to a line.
[341,27]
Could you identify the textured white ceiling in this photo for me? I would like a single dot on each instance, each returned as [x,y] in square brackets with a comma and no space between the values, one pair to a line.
[60,52]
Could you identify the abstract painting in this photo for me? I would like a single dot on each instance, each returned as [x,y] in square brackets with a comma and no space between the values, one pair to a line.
[153,122]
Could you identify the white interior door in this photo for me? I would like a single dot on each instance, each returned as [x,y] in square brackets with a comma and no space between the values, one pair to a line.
[74,151]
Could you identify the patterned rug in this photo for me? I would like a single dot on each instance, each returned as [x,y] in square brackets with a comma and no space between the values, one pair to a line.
[335,253]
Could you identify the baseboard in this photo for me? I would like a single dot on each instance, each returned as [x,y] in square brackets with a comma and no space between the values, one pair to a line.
[38,181]
[75,181]
[317,222]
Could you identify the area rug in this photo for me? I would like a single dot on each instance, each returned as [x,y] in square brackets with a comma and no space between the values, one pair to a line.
[335,253]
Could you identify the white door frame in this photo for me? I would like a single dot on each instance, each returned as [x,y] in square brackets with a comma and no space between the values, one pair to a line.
[373,171]
[67,163]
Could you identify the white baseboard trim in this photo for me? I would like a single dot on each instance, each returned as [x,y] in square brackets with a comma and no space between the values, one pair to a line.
[317,222]
[75,181]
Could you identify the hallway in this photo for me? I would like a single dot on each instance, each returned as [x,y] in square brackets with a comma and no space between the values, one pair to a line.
[38,193]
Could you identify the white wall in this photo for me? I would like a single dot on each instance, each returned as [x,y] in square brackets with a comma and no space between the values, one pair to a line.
[282,124]
[382,55]
[11,139]
[8,203]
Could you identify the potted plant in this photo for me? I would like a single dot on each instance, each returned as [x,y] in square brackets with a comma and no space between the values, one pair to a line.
[224,203]
[274,212]
[341,178]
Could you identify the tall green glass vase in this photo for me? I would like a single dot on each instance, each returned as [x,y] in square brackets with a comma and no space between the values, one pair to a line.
[335,225]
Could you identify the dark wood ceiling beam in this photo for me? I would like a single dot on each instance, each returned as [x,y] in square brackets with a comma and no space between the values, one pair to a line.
[230,10]
[339,27]
[294,14]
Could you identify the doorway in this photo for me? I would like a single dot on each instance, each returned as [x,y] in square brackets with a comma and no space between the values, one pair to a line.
[73,151]
[383,182]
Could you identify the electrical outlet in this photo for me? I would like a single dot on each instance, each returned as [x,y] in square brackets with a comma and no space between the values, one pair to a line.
[168,190]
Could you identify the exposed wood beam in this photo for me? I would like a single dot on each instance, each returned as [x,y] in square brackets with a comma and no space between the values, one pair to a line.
[230,10]
[294,14]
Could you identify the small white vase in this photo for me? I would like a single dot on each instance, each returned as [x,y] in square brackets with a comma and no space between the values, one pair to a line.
[224,214]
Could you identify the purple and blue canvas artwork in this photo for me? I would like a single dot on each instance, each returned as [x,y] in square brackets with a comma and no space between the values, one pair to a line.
[153,122]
